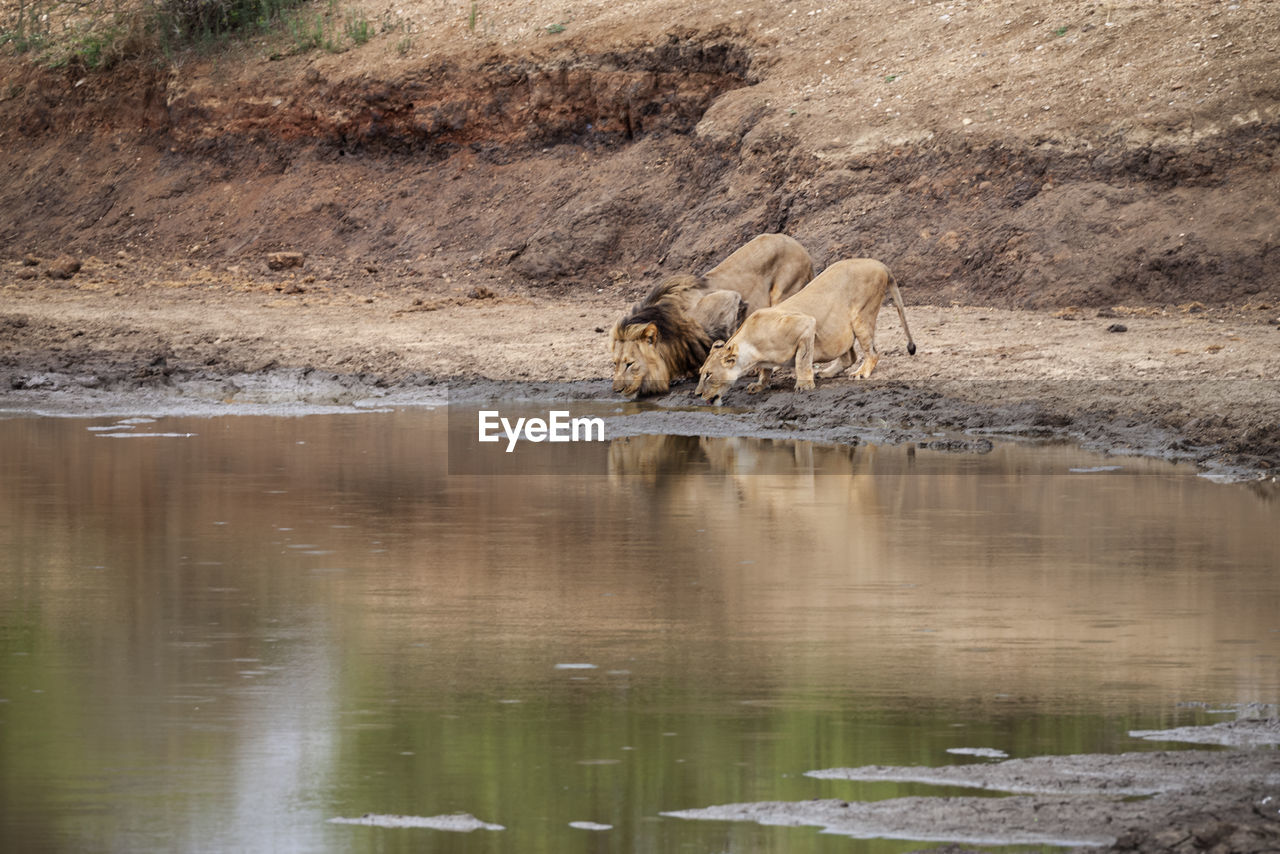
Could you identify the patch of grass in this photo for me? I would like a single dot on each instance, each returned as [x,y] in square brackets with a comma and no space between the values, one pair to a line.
[1060,31]
[193,20]
[555,28]
[306,32]
[358,28]
[471,20]
[96,49]
[29,27]
[95,34]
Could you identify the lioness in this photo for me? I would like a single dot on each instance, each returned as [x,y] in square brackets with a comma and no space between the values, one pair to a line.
[819,324]
[666,335]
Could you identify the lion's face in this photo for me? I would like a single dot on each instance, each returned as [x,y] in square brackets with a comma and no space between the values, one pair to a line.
[636,362]
[630,361]
[719,372]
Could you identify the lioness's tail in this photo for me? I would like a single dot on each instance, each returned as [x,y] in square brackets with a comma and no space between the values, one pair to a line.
[902,315]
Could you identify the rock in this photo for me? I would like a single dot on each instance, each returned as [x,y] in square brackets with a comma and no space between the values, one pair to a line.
[1117,327]
[30,260]
[63,267]
[285,260]
[294,288]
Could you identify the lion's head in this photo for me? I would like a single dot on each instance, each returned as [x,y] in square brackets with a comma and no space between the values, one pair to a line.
[657,340]
[720,371]
[638,366]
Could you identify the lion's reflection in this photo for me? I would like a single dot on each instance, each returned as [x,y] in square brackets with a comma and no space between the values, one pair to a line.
[654,457]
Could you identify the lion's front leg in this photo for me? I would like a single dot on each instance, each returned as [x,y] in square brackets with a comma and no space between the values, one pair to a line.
[762,382]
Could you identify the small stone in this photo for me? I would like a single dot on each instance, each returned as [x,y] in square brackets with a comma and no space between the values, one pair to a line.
[63,267]
[30,260]
[285,260]
[1117,327]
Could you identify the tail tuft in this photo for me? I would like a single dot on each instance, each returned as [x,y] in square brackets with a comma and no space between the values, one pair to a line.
[911,348]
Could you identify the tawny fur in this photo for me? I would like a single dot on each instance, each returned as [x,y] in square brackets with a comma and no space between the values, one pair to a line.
[666,335]
[821,323]
[658,340]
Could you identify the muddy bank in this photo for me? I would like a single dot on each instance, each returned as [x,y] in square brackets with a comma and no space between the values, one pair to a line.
[1188,800]
[928,414]
[1189,386]
[1187,382]
[892,413]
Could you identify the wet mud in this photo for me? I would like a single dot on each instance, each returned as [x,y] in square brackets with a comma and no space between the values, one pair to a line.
[1185,800]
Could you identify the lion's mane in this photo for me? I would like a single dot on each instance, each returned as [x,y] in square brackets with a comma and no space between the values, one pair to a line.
[680,345]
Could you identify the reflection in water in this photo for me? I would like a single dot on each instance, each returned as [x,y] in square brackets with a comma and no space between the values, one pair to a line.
[221,640]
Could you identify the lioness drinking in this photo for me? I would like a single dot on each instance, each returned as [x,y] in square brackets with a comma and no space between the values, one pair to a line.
[818,324]
[667,335]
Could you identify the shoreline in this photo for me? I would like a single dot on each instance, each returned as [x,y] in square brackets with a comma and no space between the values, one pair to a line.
[1188,384]
[887,414]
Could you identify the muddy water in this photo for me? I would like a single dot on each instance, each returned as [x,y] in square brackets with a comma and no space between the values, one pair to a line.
[221,633]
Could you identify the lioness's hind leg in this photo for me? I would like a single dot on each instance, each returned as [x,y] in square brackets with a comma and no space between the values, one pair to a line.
[762,383]
[865,331]
[804,356]
[837,366]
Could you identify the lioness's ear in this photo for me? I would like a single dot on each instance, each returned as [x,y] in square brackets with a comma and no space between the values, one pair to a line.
[717,345]
[650,333]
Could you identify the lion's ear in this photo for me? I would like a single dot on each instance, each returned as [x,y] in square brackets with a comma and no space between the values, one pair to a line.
[650,333]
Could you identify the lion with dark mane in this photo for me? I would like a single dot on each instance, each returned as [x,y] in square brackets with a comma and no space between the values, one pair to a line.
[664,336]
[668,334]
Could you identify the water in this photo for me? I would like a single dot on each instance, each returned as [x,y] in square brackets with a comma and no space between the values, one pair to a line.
[222,636]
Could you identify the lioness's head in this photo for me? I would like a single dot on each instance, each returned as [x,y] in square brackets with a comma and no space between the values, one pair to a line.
[637,366]
[719,372]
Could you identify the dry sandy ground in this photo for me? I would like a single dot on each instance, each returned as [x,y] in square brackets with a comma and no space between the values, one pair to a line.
[1184,383]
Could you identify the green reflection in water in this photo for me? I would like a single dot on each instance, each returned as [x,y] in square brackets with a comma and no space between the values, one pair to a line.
[219,641]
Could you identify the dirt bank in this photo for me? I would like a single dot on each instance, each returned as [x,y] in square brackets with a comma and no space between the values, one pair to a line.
[1009,155]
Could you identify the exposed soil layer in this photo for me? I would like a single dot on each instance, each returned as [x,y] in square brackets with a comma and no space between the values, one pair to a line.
[992,154]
